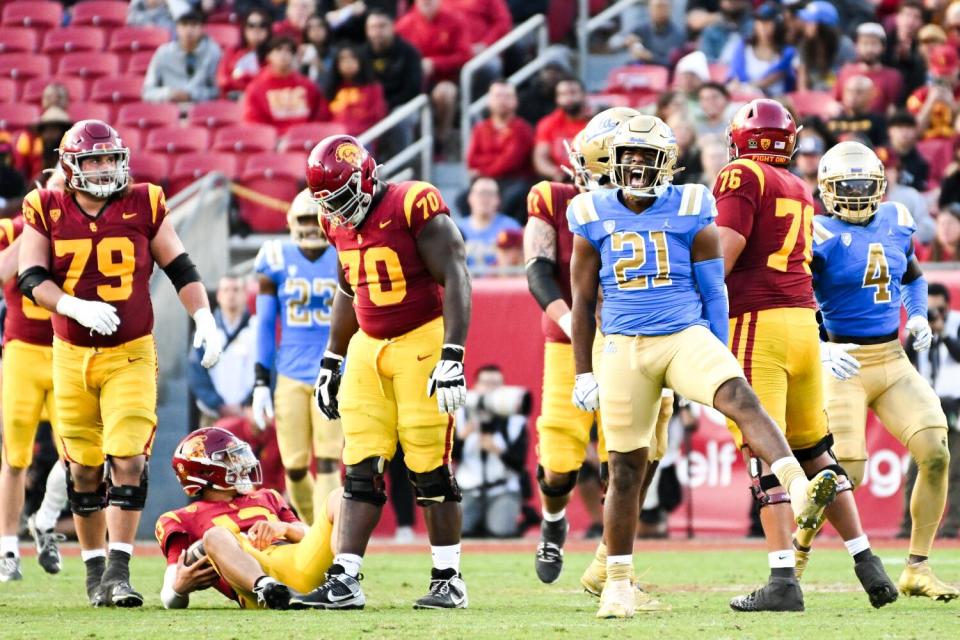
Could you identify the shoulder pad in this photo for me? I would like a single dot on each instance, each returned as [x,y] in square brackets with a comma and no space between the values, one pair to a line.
[751,167]
[417,200]
[692,199]
[583,209]
[903,216]
[821,234]
[270,257]
[540,193]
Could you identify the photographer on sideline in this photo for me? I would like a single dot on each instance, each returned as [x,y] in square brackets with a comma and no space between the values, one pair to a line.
[491,449]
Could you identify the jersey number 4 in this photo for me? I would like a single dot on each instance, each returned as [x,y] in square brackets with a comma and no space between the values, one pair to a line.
[115,259]
[638,257]
[877,273]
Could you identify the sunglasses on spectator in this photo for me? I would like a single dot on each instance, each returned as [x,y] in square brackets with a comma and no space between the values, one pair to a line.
[256,25]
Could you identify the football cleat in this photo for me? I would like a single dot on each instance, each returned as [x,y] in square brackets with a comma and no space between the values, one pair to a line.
[48,549]
[549,562]
[96,593]
[917,579]
[122,594]
[617,600]
[803,557]
[821,491]
[447,591]
[875,581]
[593,577]
[646,602]
[10,568]
[339,591]
[780,594]
[271,594]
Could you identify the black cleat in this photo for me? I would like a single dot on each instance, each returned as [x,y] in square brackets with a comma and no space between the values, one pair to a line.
[122,594]
[549,562]
[779,594]
[272,594]
[339,591]
[96,594]
[876,582]
[10,568]
[48,549]
[447,591]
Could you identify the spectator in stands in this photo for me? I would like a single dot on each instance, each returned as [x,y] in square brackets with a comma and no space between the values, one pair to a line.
[822,48]
[481,228]
[903,132]
[713,157]
[151,13]
[691,72]
[356,98]
[12,185]
[276,9]
[510,250]
[950,185]
[810,147]
[929,37]
[241,65]
[888,85]
[734,24]
[501,147]
[935,103]
[315,54]
[486,21]
[538,96]
[902,51]
[280,96]
[689,152]
[946,240]
[764,60]
[566,121]
[715,108]
[906,195]
[395,62]
[295,19]
[346,19]
[184,70]
[656,40]
[37,149]
[856,116]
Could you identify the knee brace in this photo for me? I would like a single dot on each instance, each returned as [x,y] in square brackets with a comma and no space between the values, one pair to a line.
[85,503]
[127,497]
[434,487]
[810,453]
[364,481]
[760,485]
[556,492]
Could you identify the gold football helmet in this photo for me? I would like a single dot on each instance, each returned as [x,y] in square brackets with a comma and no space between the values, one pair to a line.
[652,161]
[589,155]
[852,182]
[303,218]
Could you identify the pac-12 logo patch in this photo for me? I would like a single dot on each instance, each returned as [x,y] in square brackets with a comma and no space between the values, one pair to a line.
[349,153]
[846,239]
[609,226]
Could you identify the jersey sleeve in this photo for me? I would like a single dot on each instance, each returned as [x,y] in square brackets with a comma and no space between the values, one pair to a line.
[738,190]
[822,242]
[907,226]
[34,213]
[284,512]
[172,536]
[158,208]
[581,216]
[540,203]
[269,259]
[696,200]
[421,203]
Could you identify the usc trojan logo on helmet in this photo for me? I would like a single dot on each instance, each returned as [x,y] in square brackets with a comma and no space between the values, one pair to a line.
[349,153]
[196,449]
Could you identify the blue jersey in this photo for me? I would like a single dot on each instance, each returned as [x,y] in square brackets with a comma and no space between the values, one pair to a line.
[646,273]
[305,293]
[481,244]
[857,271]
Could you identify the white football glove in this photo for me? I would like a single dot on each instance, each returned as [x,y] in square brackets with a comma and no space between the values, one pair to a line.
[447,380]
[262,406]
[566,323]
[586,392]
[207,336]
[99,317]
[919,328]
[837,359]
[327,386]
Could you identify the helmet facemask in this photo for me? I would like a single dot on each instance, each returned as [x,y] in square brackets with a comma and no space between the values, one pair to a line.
[99,183]
[242,468]
[347,206]
[640,170]
[306,232]
[853,198]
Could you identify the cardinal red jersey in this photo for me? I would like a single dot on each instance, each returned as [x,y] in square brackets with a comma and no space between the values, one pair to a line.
[394,292]
[26,321]
[548,201]
[773,210]
[104,257]
[177,530]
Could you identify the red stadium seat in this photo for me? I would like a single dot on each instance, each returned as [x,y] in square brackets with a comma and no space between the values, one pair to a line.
[304,137]
[277,176]
[133,39]
[117,89]
[178,140]
[36,15]
[15,116]
[33,88]
[216,113]
[192,166]
[90,111]
[938,152]
[811,103]
[84,65]
[131,137]
[68,39]
[8,90]
[148,115]
[637,78]
[101,13]
[149,167]
[245,139]
[271,164]
[18,40]
[137,63]
[225,35]
[23,66]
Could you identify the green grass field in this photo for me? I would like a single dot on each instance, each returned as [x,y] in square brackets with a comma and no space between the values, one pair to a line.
[506,601]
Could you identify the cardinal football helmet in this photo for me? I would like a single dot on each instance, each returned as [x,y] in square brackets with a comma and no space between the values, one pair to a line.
[89,139]
[341,177]
[589,154]
[852,181]
[648,135]
[763,130]
[215,458]
[303,219]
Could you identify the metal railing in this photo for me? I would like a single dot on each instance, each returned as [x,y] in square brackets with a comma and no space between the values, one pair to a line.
[422,146]
[587,25]
[468,108]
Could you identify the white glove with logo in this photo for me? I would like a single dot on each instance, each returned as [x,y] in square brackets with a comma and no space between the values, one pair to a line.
[586,392]
[447,380]
[99,317]
[262,406]
[919,328]
[207,336]
[837,359]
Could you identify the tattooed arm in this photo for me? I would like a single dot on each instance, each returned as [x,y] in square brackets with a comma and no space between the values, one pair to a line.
[540,256]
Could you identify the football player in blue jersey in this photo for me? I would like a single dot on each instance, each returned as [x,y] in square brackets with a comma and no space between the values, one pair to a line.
[863,270]
[655,252]
[298,278]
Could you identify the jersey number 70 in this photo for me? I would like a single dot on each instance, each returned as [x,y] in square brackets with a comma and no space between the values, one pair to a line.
[396,285]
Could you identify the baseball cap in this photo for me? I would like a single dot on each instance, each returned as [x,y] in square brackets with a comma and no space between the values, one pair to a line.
[695,63]
[810,145]
[820,12]
[874,29]
[943,60]
[510,239]
[932,33]
[767,11]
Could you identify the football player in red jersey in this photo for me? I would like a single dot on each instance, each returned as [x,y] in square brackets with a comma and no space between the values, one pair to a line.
[87,254]
[398,249]
[765,215]
[245,542]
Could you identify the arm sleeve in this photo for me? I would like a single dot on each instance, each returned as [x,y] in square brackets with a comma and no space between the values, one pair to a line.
[170,598]
[713,293]
[915,297]
[267,306]
[201,384]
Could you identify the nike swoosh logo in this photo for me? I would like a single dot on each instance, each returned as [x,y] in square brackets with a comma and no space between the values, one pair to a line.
[385,223]
[127,216]
[133,359]
[336,598]
[422,358]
